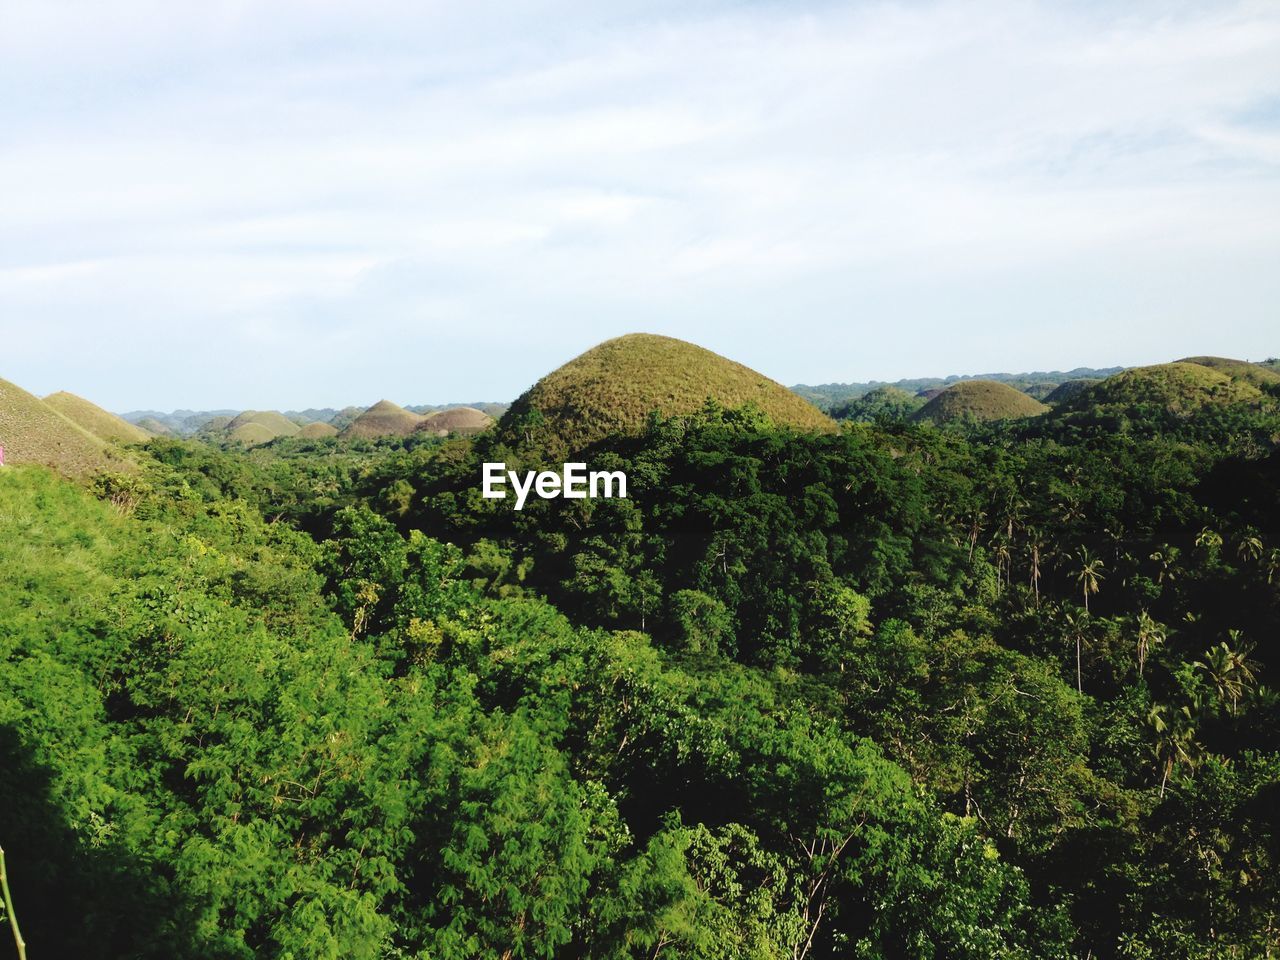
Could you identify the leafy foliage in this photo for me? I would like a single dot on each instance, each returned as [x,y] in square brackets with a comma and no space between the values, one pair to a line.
[999,690]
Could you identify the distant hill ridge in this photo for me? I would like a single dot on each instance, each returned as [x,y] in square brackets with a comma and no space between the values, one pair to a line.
[191,422]
[1038,384]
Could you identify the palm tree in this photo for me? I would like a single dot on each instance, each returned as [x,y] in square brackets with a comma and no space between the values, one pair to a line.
[1229,670]
[1176,743]
[1077,630]
[1089,575]
[1004,559]
[1035,546]
[976,520]
[1151,634]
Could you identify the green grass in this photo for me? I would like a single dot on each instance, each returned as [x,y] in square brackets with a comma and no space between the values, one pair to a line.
[1257,374]
[101,423]
[1180,388]
[32,432]
[383,419]
[980,400]
[613,387]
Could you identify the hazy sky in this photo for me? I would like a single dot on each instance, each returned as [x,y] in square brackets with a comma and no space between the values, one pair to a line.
[318,203]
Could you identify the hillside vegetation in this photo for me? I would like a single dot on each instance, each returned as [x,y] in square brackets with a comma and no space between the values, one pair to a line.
[882,403]
[615,386]
[1000,691]
[980,400]
[1177,388]
[101,423]
[31,431]
[1069,389]
[1257,374]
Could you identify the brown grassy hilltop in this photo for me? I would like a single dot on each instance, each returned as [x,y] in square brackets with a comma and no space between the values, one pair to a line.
[980,400]
[463,420]
[251,434]
[318,431]
[383,419]
[277,424]
[613,387]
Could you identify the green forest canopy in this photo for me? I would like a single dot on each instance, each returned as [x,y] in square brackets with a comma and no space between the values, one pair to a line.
[991,690]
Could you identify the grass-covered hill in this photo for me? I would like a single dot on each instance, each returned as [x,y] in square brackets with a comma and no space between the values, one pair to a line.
[251,434]
[101,423]
[318,431]
[1181,388]
[276,423]
[1257,374]
[981,400]
[462,420]
[32,431]
[383,419]
[616,385]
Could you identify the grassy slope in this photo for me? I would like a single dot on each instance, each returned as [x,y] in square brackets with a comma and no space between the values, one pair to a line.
[318,431]
[251,434]
[101,423]
[383,419]
[981,400]
[1257,374]
[613,387]
[277,423]
[31,431]
[1178,387]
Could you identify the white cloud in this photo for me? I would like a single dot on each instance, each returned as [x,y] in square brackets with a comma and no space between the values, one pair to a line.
[317,202]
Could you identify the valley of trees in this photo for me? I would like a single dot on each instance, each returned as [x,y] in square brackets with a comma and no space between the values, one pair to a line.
[978,690]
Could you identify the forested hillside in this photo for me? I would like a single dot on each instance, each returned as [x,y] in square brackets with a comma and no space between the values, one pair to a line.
[904,690]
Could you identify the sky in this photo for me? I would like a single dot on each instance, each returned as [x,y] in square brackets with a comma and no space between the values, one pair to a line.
[314,203]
